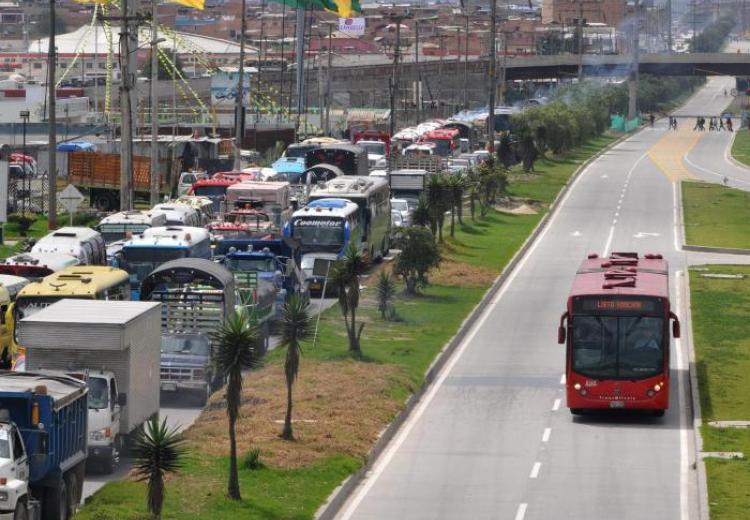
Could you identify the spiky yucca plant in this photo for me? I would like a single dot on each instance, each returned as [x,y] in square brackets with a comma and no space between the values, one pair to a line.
[296,327]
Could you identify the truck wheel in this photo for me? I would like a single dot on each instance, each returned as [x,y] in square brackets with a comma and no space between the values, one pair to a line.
[109,465]
[21,513]
[71,483]
[55,506]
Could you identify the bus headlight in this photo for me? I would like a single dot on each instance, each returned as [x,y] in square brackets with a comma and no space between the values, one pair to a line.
[577,387]
[3,496]
[657,387]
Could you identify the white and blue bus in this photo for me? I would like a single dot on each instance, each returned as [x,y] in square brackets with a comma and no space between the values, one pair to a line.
[372,196]
[321,232]
[143,253]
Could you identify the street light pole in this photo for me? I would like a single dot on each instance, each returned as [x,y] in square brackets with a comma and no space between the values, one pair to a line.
[154,170]
[580,41]
[493,77]
[419,72]
[466,62]
[239,119]
[25,118]
[329,72]
[51,124]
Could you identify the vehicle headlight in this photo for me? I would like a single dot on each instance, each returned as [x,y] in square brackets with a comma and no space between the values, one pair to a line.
[3,496]
[100,435]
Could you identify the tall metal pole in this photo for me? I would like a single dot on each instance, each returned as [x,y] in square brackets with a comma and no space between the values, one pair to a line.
[493,77]
[126,109]
[239,119]
[580,40]
[52,124]
[633,77]
[466,62]
[299,55]
[394,76]
[329,72]
[154,171]
[669,26]
[419,71]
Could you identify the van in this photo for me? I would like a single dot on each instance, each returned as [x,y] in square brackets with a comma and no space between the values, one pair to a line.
[203,205]
[119,226]
[186,181]
[83,243]
[179,214]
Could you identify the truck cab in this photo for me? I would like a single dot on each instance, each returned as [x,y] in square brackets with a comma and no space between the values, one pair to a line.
[105,402]
[14,466]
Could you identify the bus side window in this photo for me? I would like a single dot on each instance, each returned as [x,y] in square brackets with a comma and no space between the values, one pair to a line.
[3,310]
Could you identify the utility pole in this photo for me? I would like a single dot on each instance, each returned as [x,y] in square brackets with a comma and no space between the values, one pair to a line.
[466,62]
[493,77]
[329,72]
[633,76]
[299,55]
[51,124]
[419,71]
[239,118]
[127,58]
[395,71]
[669,26]
[580,40]
[154,170]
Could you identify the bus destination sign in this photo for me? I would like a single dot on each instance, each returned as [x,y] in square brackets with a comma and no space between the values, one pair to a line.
[599,305]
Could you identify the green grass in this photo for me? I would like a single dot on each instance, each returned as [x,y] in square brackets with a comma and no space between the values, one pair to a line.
[722,345]
[715,215]
[741,146]
[425,324]
[266,493]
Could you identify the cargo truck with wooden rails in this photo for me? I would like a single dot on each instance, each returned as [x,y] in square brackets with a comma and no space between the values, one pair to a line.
[114,347]
[43,445]
[99,174]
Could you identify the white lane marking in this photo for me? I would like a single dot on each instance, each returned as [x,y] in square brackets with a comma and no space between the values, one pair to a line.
[684,476]
[547,432]
[535,470]
[562,379]
[385,458]
[576,233]
[608,244]
[641,234]
[711,172]
[676,219]
[521,511]
[556,405]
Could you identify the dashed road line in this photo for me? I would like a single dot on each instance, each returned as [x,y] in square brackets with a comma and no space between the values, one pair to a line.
[535,470]
[562,379]
[556,405]
[521,511]
[547,432]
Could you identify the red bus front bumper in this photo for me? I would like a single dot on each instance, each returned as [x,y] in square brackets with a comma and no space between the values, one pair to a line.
[592,394]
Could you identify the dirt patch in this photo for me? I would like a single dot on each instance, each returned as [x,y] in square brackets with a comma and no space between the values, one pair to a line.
[519,206]
[339,407]
[465,275]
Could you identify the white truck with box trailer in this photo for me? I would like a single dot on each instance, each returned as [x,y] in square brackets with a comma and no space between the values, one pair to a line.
[114,346]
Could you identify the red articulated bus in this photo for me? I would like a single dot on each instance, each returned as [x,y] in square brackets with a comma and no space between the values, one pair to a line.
[447,140]
[616,332]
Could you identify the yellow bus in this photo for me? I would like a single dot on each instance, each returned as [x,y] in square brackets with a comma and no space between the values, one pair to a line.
[10,286]
[91,282]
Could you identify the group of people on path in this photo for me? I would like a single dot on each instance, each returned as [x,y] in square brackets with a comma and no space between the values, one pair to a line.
[714,124]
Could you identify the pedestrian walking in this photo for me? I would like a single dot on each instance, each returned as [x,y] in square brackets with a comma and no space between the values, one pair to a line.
[674,124]
[721,123]
[729,124]
[697,124]
[711,124]
[651,119]
[702,127]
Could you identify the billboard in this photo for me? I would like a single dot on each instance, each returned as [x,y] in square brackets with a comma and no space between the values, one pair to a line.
[352,26]
[224,89]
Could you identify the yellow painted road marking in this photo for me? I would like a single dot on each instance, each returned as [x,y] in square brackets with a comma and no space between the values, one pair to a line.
[668,152]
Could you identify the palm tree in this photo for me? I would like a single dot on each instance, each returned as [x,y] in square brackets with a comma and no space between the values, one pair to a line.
[295,328]
[238,346]
[345,275]
[157,450]
[386,290]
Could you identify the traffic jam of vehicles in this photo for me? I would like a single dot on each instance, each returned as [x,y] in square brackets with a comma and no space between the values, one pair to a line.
[91,315]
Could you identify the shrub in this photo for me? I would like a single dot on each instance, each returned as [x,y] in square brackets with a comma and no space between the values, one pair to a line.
[252,461]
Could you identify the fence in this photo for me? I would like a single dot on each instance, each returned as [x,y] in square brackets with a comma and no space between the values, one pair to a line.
[624,125]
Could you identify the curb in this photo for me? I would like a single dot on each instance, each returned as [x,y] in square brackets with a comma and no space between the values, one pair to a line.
[722,250]
[728,152]
[699,464]
[341,494]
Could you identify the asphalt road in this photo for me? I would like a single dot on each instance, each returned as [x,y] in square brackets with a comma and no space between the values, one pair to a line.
[492,437]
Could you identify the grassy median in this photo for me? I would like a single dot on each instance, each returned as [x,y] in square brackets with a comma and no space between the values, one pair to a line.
[722,346]
[741,146]
[341,404]
[715,215]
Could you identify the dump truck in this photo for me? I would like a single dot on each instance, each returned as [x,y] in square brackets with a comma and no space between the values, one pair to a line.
[42,445]
[114,347]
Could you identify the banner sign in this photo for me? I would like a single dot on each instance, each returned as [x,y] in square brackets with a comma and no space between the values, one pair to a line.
[352,26]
